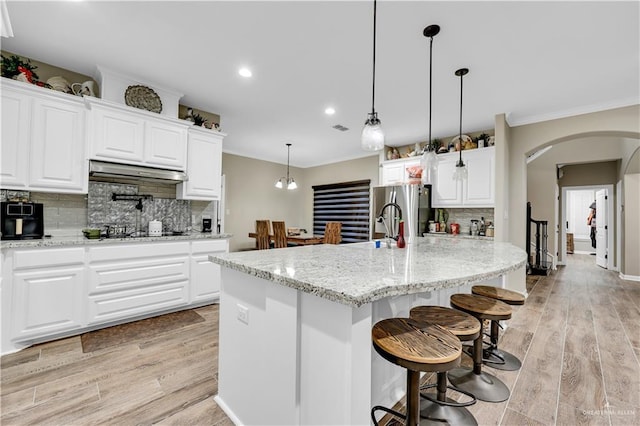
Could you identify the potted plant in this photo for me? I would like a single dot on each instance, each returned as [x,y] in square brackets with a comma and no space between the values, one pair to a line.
[482,140]
[13,66]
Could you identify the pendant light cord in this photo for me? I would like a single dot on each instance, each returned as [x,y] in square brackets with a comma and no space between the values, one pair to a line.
[460,133]
[288,154]
[430,87]
[373,89]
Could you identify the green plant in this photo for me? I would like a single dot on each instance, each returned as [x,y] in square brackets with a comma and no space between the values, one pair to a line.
[435,144]
[199,120]
[482,136]
[14,65]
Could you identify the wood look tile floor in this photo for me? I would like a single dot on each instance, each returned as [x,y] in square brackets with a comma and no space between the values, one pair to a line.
[578,336]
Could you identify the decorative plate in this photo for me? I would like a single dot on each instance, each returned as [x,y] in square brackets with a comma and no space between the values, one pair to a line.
[143,97]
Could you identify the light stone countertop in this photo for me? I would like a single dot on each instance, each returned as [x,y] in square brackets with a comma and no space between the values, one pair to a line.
[75,240]
[357,274]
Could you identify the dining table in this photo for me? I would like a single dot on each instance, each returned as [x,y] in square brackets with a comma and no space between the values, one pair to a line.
[301,239]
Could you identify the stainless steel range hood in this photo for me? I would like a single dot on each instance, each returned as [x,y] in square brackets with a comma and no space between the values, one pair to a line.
[127,171]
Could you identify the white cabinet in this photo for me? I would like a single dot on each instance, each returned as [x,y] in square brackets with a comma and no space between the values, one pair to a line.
[136,279]
[477,190]
[126,135]
[43,140]
[204,166]
[205,275]
[48,295]
[397,172]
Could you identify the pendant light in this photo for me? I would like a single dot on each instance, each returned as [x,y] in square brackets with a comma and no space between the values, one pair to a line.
[461,170]
[372,134]
[429,159]
[291,184]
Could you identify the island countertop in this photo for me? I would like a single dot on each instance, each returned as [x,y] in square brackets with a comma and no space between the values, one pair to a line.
[356,274]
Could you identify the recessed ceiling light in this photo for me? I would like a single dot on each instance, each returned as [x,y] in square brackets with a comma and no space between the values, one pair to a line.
[245,72]
[329,111]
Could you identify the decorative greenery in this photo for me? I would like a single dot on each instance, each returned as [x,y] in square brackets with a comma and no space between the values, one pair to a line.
[482,136]
[14,65]
[199,120]
[434,145]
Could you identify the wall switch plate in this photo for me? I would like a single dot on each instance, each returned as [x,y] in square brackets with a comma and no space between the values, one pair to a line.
[243,314]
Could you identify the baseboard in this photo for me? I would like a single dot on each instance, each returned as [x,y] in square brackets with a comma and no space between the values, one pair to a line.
[227,410]
[629,277]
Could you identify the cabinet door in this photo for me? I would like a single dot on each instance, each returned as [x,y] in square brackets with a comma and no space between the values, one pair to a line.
[116,136]
[16,109]
[479,187]
[204,168]
[392,173]
[447,192]
[58,159]
[205,275]
[165,145]
[47,301]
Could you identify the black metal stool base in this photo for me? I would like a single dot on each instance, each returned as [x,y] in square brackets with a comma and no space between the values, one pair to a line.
[484,386]
[436,414]
[501,360]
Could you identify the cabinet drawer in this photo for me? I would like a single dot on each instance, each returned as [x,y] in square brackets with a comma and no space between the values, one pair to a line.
[204,247]
[137,273]
[124,304]
[137,251]
[47,257]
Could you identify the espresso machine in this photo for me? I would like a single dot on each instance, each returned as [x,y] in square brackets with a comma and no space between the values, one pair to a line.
[22,221]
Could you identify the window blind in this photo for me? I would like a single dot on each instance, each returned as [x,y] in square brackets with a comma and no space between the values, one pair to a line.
[347,203]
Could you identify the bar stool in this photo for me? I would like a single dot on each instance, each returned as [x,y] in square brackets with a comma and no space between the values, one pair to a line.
[465,327]
[492,356]
[417,346]
[484,386]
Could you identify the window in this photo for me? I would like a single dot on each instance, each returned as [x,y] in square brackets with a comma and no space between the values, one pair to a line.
[347,203]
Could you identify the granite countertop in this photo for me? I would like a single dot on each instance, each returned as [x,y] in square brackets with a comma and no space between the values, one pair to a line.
[356,274]
[81,240]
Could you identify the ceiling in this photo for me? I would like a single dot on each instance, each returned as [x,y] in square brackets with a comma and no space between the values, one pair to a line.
[530,60]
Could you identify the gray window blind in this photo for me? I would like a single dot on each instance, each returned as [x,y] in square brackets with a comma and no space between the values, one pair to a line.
[346,202]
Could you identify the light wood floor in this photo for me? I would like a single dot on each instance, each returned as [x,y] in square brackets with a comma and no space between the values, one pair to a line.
[578,336]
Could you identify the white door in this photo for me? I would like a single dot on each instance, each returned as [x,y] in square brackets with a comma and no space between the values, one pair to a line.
[601,228]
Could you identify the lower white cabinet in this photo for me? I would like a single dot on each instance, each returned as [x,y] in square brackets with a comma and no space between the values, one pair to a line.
[126,281]
[205,275]
[48,292]
[52,292]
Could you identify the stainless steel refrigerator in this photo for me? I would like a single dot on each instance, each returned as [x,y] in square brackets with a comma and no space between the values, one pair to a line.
[413,200]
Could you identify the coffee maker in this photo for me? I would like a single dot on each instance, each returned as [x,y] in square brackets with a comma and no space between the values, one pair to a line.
[206,224]
[22,221]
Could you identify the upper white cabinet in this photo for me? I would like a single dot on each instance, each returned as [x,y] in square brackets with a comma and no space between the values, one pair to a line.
[477,190]
[398,172]
[43,140]
[204,166]
[123,134]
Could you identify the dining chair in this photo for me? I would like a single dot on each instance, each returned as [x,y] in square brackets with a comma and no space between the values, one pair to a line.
[332,233]
[262,239]
[279,234]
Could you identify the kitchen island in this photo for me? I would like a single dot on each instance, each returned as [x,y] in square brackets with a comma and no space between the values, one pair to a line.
[295,323]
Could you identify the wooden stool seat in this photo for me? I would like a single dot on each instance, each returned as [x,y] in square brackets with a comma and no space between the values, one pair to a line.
[417,346]
[481,307]
[509,297]
[462,325]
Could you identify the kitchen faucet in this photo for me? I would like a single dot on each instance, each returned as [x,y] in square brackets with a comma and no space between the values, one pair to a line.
[388,235]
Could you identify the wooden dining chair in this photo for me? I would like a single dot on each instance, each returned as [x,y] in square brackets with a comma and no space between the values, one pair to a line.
[332,233]
[279,235]
[262,239]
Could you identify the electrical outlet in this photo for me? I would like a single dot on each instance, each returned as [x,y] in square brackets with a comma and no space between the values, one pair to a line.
[243,314]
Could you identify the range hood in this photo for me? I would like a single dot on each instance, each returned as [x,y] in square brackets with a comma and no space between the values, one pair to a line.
[124,171]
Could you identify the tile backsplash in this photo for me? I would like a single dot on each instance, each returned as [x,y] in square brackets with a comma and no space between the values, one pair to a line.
[65,213]
[464,216]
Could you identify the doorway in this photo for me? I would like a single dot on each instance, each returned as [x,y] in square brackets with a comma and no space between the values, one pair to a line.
[575,208]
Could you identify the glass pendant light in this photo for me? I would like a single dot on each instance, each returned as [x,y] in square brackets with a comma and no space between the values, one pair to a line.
[372,134]
[461,170]
[429,160]
[291,184]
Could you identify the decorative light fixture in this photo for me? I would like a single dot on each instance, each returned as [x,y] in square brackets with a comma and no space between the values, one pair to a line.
[372,134]
[291,184]
[429,159]
[461,170]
